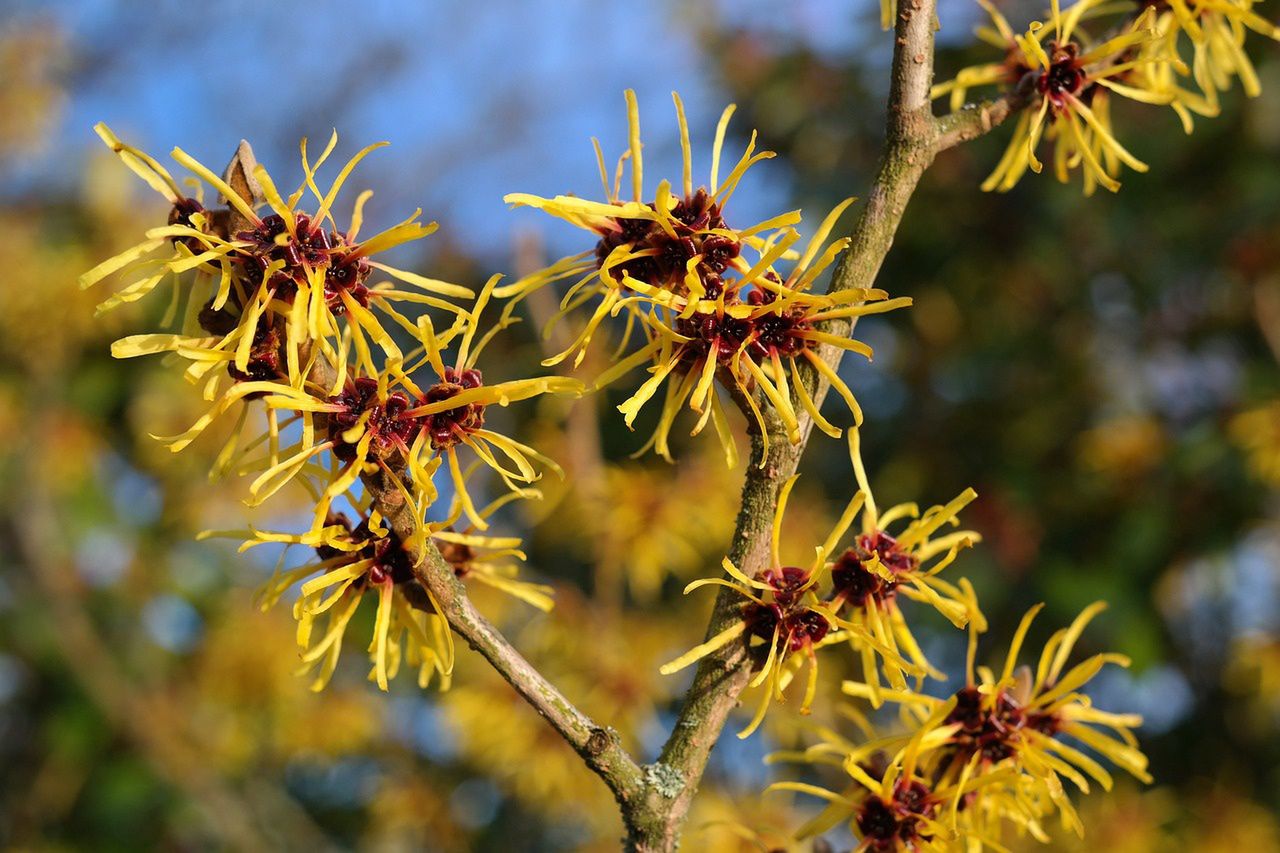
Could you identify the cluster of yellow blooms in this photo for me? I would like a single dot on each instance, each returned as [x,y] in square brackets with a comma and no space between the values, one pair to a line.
[284,308]
[955,773]
[848,596]
[969,767]
[1068,76]
[707,301]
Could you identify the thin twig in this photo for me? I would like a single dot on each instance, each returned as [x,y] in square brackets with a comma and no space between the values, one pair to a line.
[600,747]
[974,120]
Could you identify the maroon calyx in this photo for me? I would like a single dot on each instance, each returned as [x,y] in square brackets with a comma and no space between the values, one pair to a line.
[787,584]
[778,333]
[218,321]
[347,273]
[1065,75]
[180,214]
[775,332]
[795,625]
[264,357]
[633,233]
[389,425]
[391,563]
[855,584]
[804,628]
[895,824]
[667,256]
[309,247]
[888,550]
[450,426]
[714,329]
[334,519]
[992,729]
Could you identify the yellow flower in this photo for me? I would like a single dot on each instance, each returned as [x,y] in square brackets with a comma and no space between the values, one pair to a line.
[353,561]
[1011,722]
[783,619]
[647,252]
[868,578]
[450,412]
[1007,72]
[368,557]
[702,309]
[1217,31]
[792,611]
[288,274]
[385,420]
[1068,82]
[897,805]
[753,335]
[1160,68]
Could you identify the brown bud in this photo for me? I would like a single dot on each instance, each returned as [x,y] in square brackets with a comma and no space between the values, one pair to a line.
[239,176]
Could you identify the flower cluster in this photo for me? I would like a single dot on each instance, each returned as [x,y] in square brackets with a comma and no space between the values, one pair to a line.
[846,595]
[350,562]
[704,301]
[990,755]
[368,557]
[963,770]
[1066,77]
[278,308]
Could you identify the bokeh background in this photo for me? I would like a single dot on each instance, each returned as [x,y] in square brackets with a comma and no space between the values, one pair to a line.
[1103,371]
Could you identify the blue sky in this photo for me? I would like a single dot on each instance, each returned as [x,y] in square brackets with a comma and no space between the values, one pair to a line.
[477,99]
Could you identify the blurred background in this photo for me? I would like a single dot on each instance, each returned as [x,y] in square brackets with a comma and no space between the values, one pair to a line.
[1103,371]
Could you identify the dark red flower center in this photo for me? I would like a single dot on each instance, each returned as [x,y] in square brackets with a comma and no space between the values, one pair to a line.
[992,727]
[1064,76]
[667,256]
[309,247]
[855,584]
[180,214]
[787,583]
[348,273]
[778,333]
[390,560]
[264,356]
[449,427]
[804,628]
[389,426]
[885,825]
[795,625]
[726,333]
